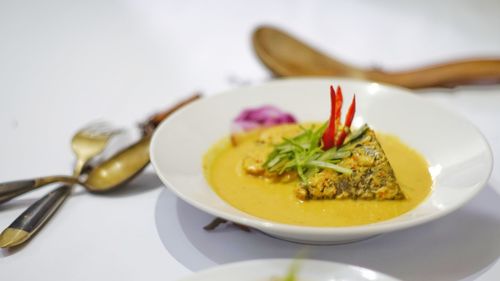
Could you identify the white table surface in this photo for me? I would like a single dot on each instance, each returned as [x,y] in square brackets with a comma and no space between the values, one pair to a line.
[65,63]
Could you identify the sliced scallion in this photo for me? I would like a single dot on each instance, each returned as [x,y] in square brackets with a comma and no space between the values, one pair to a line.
[304,154]
[327,165]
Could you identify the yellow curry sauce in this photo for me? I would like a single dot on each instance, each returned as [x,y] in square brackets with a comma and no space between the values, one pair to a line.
[276,201]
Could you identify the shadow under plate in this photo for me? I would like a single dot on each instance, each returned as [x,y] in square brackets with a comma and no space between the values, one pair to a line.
[459,245]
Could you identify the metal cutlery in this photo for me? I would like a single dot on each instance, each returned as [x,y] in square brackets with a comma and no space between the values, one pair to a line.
[86,144]
[108,175]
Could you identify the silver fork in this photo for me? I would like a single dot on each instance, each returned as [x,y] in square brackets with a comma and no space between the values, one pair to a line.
[86,144]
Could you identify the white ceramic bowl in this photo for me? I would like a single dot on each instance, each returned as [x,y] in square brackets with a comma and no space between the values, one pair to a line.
[459,157]
[266,270]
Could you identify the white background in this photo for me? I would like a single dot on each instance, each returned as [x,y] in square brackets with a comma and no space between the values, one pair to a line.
[66,63]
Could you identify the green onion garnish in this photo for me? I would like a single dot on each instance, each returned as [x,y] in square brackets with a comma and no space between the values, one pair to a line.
[304,154]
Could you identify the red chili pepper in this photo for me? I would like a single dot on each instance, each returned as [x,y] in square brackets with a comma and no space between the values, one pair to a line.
[338,107]
[348,121]
[329,134]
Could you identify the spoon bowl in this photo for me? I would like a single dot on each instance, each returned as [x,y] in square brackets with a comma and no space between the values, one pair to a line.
[119,169]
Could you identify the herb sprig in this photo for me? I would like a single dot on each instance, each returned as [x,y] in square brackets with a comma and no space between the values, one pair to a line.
[304,154]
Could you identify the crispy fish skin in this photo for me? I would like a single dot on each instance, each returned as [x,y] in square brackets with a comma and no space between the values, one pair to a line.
[372,177]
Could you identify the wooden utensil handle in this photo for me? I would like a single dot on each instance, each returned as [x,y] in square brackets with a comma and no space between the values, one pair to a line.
[449,74]
[153,121]
[288,56]
[9,190]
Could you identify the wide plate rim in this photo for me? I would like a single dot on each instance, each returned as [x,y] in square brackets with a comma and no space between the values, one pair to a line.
[359,230]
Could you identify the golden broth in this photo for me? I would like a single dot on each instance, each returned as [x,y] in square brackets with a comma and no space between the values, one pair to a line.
[277,202]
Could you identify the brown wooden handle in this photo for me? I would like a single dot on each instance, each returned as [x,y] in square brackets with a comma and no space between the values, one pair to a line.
[153,121]
[444,75]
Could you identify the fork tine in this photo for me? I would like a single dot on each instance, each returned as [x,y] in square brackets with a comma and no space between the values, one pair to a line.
[95,124]
[100,128]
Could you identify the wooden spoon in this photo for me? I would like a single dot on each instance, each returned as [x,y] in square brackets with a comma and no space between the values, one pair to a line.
[287,56]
